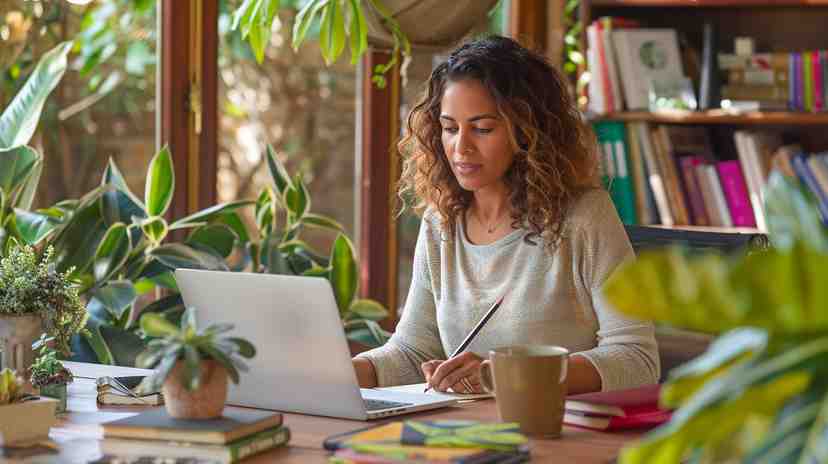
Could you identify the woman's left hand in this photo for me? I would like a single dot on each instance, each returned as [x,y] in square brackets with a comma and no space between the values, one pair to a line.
[461,374]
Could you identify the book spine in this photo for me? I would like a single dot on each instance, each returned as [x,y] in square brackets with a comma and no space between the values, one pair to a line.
[819,97]
[792,81]
[606,85]
[803,171]
[688,171]
[800,102]
[654,174]
[264,441]
[733,184]
[755,92]
[823,59]
[808,81]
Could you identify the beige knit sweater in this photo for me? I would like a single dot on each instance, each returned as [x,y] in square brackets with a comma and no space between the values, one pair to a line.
[553,298]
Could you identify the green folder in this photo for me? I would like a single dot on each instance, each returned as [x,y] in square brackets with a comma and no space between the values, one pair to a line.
[615,168]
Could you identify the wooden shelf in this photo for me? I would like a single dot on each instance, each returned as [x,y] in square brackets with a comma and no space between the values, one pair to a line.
[708,3]
[788,118]
[726,230]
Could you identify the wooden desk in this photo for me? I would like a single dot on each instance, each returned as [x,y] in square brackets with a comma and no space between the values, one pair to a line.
[79,430]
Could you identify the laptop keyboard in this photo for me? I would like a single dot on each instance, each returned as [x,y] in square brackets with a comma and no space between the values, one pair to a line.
[375,405]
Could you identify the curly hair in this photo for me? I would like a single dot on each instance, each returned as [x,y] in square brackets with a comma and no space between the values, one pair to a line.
[556,158]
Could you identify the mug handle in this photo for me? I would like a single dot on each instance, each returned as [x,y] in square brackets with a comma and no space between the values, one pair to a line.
[486,376]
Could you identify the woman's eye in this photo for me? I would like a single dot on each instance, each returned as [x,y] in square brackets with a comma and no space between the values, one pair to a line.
[450,130]
[484,130]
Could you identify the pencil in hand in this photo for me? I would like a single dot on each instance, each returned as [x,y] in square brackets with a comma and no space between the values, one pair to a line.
[467,341]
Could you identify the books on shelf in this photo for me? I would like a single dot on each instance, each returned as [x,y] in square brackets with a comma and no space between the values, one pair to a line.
[224,453]
[156,424]
[633,408]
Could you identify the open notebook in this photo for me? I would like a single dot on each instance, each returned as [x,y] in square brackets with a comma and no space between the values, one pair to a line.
[419,387]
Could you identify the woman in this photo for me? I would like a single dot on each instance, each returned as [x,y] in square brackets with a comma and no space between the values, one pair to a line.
[505,169]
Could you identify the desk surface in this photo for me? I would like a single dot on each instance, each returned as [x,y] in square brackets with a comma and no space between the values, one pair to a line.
[79,430]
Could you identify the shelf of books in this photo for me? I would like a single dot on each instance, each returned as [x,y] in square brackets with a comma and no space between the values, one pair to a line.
[761,76]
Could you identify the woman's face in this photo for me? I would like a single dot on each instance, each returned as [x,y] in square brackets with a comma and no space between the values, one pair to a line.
[475,137]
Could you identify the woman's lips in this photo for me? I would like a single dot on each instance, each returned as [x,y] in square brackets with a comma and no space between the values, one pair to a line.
[466,169]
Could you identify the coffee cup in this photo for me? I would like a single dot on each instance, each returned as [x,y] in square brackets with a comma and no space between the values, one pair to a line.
[529,384]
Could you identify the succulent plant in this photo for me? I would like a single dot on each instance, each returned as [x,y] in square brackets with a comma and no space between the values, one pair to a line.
[47,368]
[191,345]
[11,387]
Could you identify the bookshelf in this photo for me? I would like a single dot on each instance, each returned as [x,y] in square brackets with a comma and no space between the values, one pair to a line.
[774,25]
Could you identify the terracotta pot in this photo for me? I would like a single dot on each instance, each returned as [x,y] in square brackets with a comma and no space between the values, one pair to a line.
[17,333]
[205,402]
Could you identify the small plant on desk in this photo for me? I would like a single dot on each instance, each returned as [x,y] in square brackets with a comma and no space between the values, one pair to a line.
[11,387]
[192,365]
[48,374]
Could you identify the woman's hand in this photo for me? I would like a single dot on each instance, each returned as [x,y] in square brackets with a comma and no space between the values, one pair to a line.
[461,374]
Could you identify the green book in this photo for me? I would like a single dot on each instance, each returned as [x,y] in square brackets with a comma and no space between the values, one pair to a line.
[808,81]
[228,453]
[615,168]
[155,424]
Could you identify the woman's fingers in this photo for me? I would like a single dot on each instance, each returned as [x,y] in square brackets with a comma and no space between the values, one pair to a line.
[448,373]
[429,367]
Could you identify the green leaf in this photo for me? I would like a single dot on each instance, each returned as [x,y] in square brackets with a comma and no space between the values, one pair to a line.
[117,296]
[366,332]
[278,173]
[34,227]
[245,348]
[271,256]
[112,252]
[322,222]
[213,212]
[343,275]
[26,195]
[368,309]
[155,325]
[155,228]
[99,346]
[222,359]
[178,255]
[358,32]
[16,165]
[77,239]
[235,223]
[218,238]
[297,198]
[332,34]
[124,345]
[303,21]
[192,368]
[138,57]
[792,215]
[160,183]
[19,119]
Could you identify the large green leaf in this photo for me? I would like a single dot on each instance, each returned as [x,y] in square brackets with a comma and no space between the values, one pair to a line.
[368,309]
[322,222]
[343,275]
[160,183]
[34,227]
[117,297]
[235,223]
[124,345]
[218,238]
[278,173]
[112,252]
[177,255]
[271,256]
[118,203]
[16,165]
[255,19]
[213,212]
[332,32]
[297,198]
[77,239]
[26,194]
[155,325]
[19,120]
[96,341]
[155,229]
[358,32]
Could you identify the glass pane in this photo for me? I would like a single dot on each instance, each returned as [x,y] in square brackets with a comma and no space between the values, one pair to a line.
[104,107]
[294,102]
[408,224]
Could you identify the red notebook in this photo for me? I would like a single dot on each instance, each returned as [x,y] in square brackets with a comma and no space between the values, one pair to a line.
[633,408]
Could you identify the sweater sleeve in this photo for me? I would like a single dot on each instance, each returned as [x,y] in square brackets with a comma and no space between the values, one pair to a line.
[626,354]
[416,338]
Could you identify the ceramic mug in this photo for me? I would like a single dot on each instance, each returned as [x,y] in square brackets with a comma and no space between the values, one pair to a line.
[529,384]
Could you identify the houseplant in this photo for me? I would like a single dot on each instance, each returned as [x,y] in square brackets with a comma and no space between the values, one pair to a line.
[48,374]
[759,393]
[35,297]
[23,417]
[192,365]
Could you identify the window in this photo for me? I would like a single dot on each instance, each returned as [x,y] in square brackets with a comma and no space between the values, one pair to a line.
[294,102]
[105,104]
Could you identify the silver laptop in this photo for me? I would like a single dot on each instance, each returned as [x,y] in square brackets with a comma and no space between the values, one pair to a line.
[302,361]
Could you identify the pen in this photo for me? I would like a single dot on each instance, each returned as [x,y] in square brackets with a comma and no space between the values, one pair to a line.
[474,331]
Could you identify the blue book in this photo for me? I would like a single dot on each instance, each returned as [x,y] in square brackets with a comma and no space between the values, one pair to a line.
[799,162]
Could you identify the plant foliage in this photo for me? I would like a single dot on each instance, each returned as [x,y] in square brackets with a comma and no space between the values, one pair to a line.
[31,285]
[11,387]
[47,368]
[759,393]
[171,344]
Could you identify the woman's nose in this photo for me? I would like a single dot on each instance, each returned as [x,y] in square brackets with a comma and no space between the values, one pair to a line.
[462,144]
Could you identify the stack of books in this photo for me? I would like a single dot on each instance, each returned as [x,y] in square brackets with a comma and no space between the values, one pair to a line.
[635,408]
[431,441]
[239,433]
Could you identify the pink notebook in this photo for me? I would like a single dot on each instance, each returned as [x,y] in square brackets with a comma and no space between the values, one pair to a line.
[735,190]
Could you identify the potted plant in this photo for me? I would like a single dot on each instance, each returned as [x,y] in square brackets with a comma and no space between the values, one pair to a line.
[759,393]
[48,374]
[35,297]
[193,365]
[22,416]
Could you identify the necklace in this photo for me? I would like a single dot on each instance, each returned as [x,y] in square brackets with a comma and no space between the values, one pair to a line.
[490,228]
